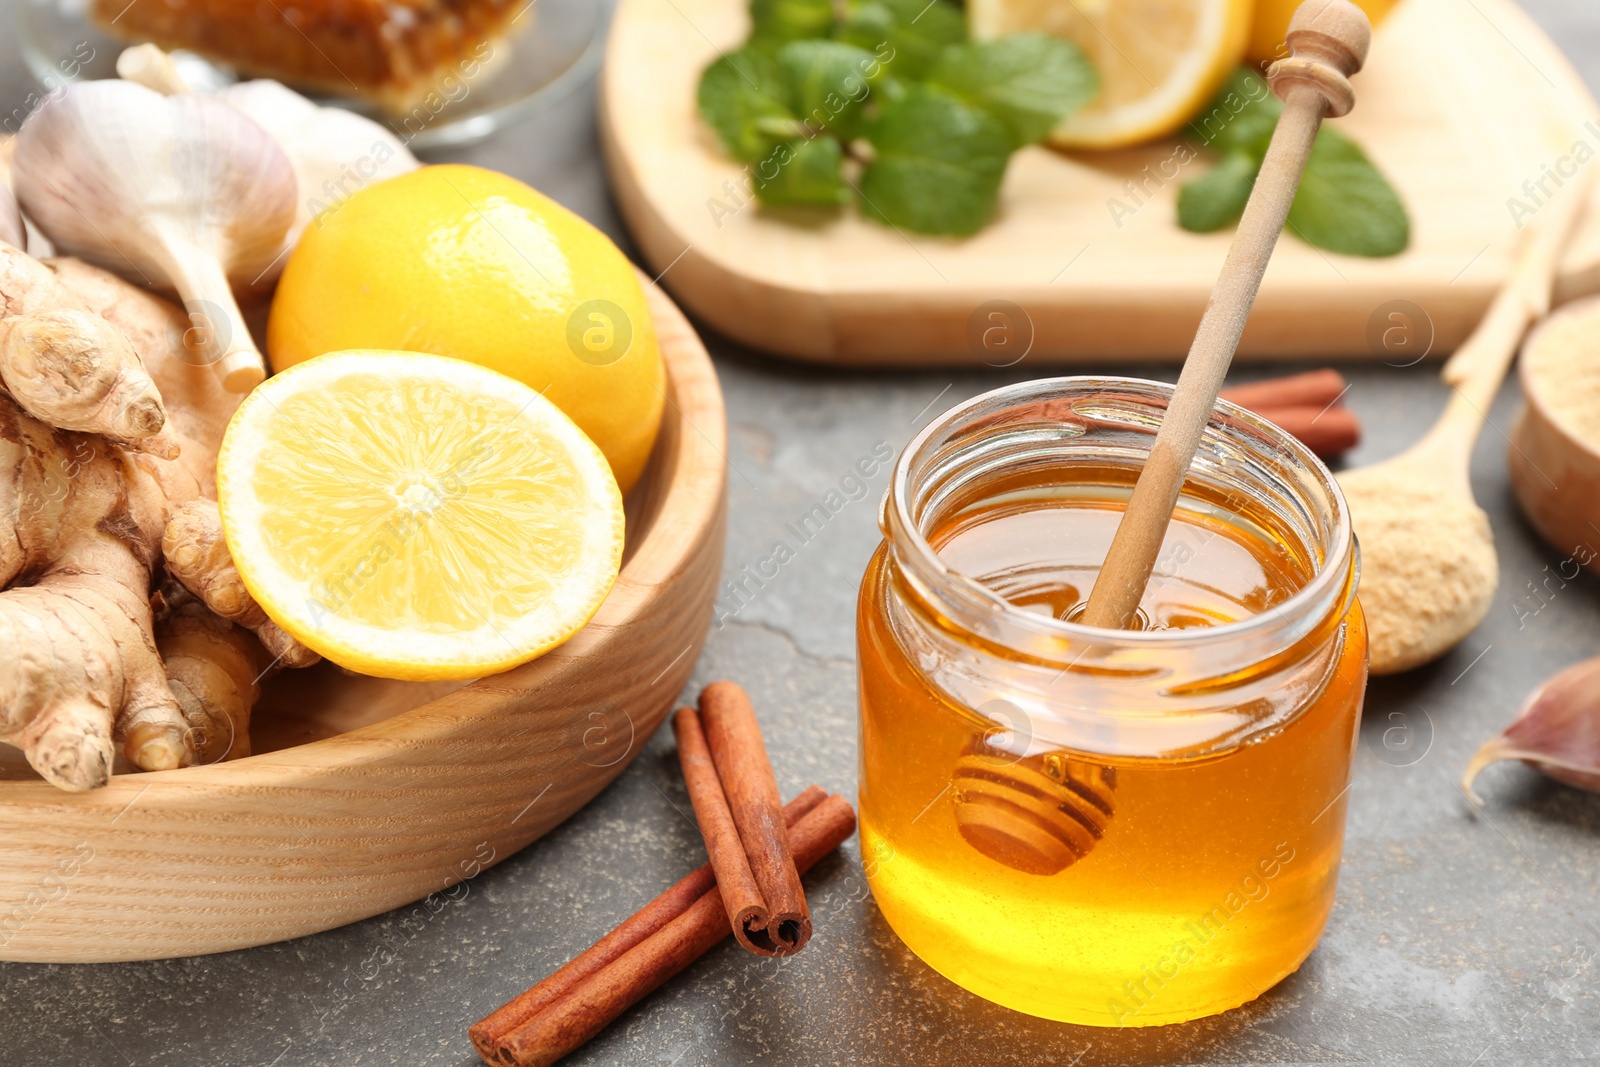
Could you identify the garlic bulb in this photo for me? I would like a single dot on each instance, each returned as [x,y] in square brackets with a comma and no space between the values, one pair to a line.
[182,192]
[334,152]
[1557,731]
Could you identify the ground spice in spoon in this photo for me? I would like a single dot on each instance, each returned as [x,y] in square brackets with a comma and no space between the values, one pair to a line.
[1428,566]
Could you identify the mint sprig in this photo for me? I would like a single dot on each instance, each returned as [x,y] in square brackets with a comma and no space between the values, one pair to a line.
[890,98]
[1344,203]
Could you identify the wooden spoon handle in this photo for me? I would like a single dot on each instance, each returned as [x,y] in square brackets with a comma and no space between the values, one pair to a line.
[1328,39]
[1478,367]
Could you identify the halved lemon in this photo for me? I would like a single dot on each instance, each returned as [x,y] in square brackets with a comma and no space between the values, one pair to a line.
[418,517]
[1160,61]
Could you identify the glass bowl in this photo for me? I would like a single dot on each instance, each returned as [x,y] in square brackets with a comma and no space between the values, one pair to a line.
[551,48]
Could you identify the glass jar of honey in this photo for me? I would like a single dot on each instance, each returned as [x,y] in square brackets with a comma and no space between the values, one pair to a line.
[1116,828]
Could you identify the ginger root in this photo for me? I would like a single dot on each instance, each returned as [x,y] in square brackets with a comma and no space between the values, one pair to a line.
[68,367]
[214,669]
[197,556]
[81,668]
[96,460]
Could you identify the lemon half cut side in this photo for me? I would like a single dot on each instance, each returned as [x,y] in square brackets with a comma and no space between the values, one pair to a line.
[415,516]
[1159,61]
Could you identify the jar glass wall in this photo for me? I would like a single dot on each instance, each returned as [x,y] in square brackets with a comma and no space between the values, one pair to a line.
[1114,828]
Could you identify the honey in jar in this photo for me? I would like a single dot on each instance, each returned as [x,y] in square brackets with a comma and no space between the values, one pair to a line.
[1115,828]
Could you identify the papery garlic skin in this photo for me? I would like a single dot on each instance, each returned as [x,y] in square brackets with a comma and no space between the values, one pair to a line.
[31,240]
[334,152]
[1557,732]
[11,229]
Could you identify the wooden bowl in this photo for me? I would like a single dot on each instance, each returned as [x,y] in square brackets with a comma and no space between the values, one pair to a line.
[367,794]
[1555,473]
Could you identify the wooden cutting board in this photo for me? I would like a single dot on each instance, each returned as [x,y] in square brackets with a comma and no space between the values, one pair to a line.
[1461,103]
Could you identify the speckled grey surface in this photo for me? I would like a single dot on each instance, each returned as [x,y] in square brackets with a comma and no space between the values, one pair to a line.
[1456,939]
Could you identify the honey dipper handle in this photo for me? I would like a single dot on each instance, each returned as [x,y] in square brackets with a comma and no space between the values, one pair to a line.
[1328,42]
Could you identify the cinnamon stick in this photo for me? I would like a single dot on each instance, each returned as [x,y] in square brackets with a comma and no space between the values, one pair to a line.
[578,1001]
[735,798]
[1326,431]
[736,881]
[1317,388]
[642,924]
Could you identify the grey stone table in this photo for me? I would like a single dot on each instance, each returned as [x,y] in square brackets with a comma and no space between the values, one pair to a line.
[1457,938]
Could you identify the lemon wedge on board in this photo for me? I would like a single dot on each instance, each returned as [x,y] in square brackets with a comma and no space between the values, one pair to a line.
[1159,61]
[418,517]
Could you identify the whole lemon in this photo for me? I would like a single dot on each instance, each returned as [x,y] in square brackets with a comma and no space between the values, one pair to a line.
[1272,23]
[466,262]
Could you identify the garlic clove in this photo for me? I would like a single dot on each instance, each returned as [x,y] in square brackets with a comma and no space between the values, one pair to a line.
[147,65]
[1557,731]
[180,192]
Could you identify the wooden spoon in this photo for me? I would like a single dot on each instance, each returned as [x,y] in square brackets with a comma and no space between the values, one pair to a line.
[1428,566]
[1328,42]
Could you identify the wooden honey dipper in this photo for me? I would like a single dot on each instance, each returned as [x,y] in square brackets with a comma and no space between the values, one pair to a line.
[1328,42]
[1042,813]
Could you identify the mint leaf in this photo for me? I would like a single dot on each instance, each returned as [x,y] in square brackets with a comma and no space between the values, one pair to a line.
[1241,117]
[1345,204]
[802,172]
[905,35]
[739,95]
[827,83]
[1030,81]
[790,20]
[1217,197]
[938,166]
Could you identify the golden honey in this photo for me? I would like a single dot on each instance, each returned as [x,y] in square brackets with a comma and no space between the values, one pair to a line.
[1117,829]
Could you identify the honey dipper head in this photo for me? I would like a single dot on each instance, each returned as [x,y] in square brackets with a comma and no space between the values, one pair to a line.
[1328,42]
[1039,815]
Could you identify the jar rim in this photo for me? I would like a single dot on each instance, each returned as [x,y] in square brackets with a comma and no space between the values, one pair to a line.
[1331,587]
